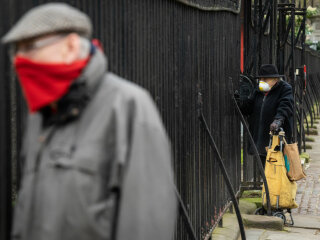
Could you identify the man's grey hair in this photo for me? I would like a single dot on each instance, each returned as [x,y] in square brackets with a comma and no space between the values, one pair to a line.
[84,47]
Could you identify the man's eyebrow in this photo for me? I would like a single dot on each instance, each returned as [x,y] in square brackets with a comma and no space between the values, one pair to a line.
[24,43]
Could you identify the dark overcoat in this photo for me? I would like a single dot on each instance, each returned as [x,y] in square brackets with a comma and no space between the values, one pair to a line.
[264,108]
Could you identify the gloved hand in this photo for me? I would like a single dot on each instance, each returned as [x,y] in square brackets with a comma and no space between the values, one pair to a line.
[275,125]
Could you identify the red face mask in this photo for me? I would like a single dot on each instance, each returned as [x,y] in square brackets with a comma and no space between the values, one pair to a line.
[44,83]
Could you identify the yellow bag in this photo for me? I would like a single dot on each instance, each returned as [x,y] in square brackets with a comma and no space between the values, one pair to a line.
[282,190]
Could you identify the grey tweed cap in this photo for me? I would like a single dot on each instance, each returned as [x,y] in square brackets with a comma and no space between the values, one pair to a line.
[49,18]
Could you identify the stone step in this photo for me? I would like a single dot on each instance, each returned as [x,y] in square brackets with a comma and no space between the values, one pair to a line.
[262,221]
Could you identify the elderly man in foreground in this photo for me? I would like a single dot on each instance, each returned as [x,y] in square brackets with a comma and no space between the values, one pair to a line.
[96,158]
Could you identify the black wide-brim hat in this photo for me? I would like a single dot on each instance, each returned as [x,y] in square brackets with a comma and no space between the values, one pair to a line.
[269,71]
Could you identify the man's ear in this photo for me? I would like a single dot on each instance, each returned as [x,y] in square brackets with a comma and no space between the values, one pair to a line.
[73,46]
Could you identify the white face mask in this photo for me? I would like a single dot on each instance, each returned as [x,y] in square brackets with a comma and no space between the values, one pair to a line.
[264,87]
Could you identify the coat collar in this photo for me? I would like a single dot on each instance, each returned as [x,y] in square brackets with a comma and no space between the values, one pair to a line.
[93,72]
[81,91]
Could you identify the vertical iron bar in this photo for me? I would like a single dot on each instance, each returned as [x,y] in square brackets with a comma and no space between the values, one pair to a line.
[302,90]
[255,38]
[292,70]
[271,37]
[5,129]
[279,43]
[260,32]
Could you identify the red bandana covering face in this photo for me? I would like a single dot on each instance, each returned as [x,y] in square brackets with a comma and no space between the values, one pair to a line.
[44,83]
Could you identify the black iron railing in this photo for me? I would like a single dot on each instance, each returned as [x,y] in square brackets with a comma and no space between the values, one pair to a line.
[177,50]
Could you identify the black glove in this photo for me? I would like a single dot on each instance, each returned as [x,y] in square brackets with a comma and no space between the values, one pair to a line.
[275,125]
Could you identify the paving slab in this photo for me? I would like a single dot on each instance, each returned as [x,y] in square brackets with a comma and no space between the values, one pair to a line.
[287,234]
[254,234]
[246,207]
[256,201]
[230,229]
[306,221]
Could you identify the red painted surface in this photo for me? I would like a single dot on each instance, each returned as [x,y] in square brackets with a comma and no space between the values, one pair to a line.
[305,76]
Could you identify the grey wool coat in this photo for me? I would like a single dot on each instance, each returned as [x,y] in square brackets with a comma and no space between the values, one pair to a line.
[73,167]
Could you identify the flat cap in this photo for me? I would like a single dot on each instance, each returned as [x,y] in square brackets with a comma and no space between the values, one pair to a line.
[49,18]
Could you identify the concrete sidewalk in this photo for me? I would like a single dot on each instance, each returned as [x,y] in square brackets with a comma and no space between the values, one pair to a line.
[306,227]
[308,194]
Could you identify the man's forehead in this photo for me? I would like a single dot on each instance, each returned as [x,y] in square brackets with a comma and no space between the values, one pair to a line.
[32,44]
[269,78]
[34,39]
